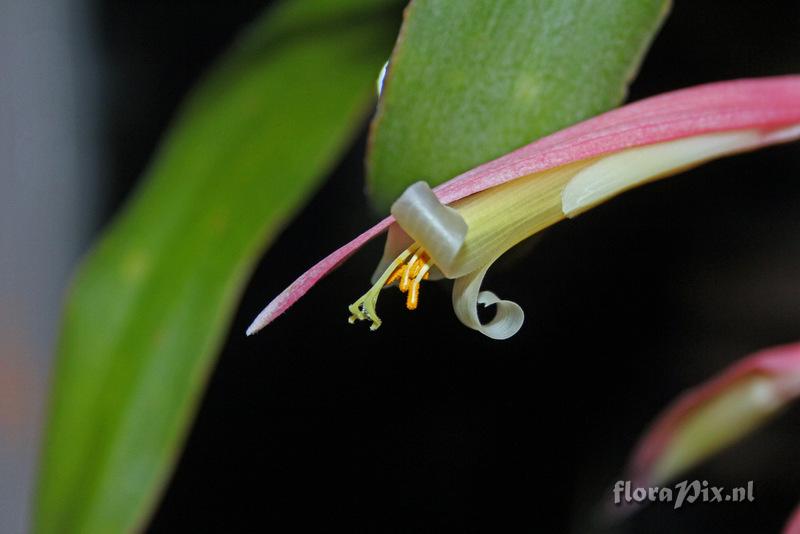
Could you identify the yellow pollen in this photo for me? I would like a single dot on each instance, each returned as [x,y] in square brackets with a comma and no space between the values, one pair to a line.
[409,273]
[417,267]
[395,275]
[413,296]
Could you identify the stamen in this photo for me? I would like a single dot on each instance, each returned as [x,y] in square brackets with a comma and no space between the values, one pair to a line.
[413,293]
[424,272]
[407,273]
[413,296]
[396,274]
[364,308]
[417,266]
[410,274]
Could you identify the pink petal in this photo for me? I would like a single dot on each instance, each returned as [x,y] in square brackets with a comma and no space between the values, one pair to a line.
[793,525]
[780,365]
[301,286]
[766,104]
[759,103]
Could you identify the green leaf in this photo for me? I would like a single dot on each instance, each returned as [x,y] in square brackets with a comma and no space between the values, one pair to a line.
[149,307]
[470,80]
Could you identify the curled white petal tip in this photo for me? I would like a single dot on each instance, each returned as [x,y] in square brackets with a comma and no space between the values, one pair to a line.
[441,230]
[508,318]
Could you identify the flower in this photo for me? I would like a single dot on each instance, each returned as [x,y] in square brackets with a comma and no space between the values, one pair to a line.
[461,227]
[715,414]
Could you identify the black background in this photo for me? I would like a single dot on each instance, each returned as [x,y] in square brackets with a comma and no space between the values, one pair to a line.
[426,426]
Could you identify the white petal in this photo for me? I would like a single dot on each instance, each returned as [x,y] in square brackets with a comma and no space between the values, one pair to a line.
[625,170]
[438,228]
[784,135]
[467,295]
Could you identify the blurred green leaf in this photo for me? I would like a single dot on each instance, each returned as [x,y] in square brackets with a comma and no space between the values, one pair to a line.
[473,79]
[150,305]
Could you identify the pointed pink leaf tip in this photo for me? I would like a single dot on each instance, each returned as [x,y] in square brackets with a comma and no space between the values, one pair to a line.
[779,366]
[767,104]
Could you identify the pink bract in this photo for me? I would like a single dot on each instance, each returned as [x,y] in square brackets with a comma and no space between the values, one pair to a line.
[764,104]
[793,525]
[780,364]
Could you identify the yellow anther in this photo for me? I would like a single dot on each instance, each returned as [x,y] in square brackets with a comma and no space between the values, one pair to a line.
[413,296]
[412,301]
[404,280]
[407,276]
[396,274]
[417,266]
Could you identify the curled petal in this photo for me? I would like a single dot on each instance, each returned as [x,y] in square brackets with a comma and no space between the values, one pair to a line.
[441,231]
[467,295]
[715,414]
[438,228]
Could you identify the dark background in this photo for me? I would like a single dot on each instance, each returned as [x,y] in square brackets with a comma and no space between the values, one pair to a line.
[426,426]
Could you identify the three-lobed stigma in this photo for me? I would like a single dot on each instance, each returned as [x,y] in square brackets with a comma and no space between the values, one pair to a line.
[408,270]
